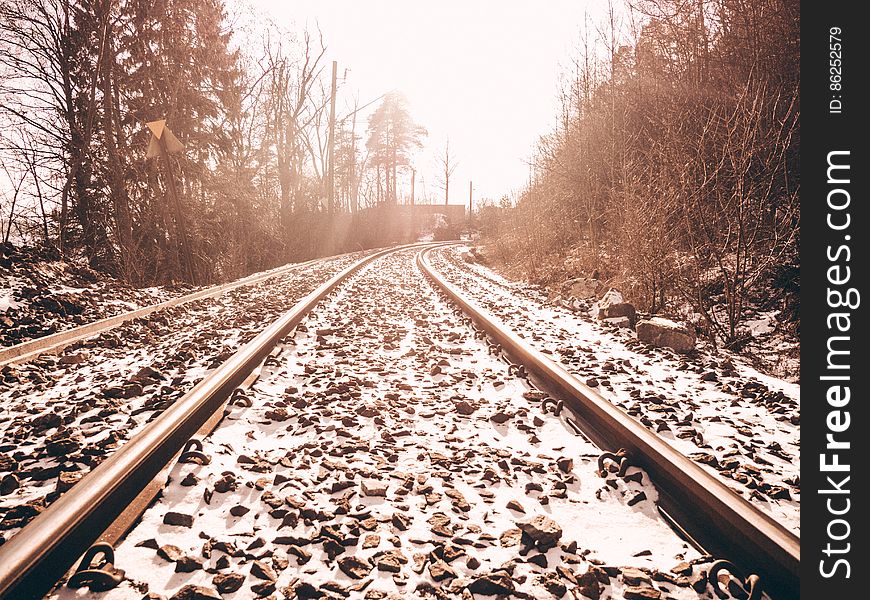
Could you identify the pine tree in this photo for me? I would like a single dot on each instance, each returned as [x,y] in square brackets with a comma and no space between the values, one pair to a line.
[392,136]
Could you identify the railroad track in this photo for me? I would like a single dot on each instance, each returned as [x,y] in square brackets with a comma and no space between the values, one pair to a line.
[724,523]
[63,413]
[735,422]
[429,411]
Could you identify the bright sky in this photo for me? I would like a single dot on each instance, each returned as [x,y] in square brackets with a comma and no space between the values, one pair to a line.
[484,73]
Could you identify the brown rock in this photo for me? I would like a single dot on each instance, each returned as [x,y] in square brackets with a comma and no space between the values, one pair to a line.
[613,305]
[552,583]
[46,421]
[62,447]
[354,567]
[73,359]
[196,592]
[565,464]
[373,489]
[665,577]
[452,552]
[500,417]
[400,521]
[261,570]
[492,584]
[277,414]
[641,593]
[705,458]
[170,553]
[302,555]
[419,562]
[633,576]
[543,530]
[189,480]
[638,497]
[227,583]
[19,516]
[539,559]
[440,570]
[187,564]
[263,589]
[306,591]
[463,407]
[148,375]
[777,492]
[7,463]
[333,548]
[389,563]
[440,525]
[511,537]
[178,519]
[589,586]
[9,484]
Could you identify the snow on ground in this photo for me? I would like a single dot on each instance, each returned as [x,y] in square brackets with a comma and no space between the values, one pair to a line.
[742,425]
[7,294]
[386,454]
[40,296]
[62,414]
[769,347]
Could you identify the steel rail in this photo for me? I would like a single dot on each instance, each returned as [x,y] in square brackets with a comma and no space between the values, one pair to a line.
[58,341]
[723,522]
[33,560]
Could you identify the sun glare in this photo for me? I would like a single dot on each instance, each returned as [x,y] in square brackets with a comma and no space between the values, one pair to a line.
[471,71]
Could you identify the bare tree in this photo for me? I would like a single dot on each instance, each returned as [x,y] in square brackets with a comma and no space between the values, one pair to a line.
[16,182]
[52,89]
[293,110]
[447,165]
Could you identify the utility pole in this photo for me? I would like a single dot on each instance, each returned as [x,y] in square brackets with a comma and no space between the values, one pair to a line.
[413,177]
[179,215]
[469,199]
[330,180]
[354,188]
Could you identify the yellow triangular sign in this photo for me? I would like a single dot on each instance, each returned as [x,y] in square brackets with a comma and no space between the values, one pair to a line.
[172,143]
[157,127]
[153,148]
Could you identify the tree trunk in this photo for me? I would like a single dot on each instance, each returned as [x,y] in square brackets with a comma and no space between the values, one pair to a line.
[120,199]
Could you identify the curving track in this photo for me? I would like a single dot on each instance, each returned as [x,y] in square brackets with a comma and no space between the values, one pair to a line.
[384,450]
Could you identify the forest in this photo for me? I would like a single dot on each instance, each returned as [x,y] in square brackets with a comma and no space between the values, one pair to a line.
[673,172]
[259,181]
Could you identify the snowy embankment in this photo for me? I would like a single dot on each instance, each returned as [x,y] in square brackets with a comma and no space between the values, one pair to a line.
[40,296]
[742,425]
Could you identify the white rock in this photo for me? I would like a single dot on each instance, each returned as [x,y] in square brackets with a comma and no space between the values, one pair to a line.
[665,333]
